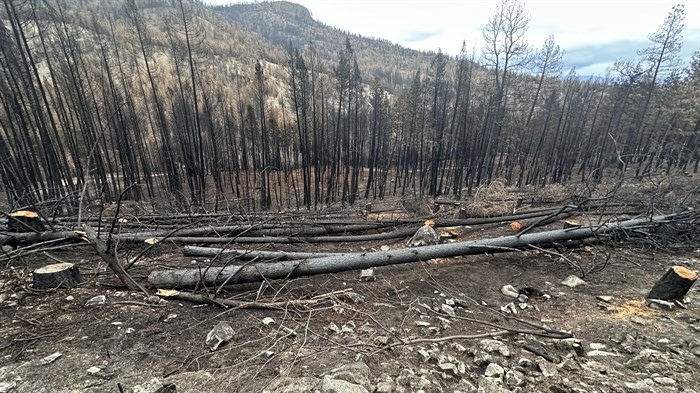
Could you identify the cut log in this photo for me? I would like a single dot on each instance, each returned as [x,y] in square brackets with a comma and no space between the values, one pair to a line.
[674,284]
[58,275]
[229,255]
[184,278]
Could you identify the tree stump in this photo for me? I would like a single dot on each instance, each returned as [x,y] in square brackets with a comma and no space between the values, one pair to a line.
[25,221]
[58,275]
[674,284]
[152,248]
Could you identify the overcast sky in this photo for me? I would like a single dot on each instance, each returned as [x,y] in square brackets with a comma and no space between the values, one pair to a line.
[594,33]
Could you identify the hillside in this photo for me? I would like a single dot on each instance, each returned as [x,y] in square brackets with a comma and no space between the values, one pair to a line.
[282,22]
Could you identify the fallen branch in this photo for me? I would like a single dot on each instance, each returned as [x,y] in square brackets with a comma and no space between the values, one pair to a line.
[287,269]
[103,250]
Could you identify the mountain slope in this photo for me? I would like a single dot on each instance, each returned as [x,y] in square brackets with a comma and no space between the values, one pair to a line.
[282,22]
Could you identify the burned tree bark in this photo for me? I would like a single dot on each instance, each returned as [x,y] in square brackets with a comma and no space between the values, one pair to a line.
[288,269]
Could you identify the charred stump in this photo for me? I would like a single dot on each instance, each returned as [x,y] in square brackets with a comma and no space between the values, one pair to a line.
[57,275]
[674,284]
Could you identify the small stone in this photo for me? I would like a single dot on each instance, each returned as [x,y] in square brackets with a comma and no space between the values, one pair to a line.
[385,248]
[425,355]
[509,308]
[70,298]
[597,346]
[665,381]
[514,378]
[367,275]
[94,370]
[640,385]
[267,321]
[385,387]
[422,323]
[450,302]
[448,368]
[660,304]
[573,281]
[605,298]
[97,300]
[493,370]
[509,291]
[333,328]
[461,348]
[221,333]
[348,327]
[548,369]
[664,341]
[494,346]
[522,298]
[593,354]
[129,330]
[50,359]
[449,310]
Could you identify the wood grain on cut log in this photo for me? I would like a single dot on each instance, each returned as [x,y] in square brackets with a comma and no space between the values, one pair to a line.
[674,284]
[183,278]
[57,275]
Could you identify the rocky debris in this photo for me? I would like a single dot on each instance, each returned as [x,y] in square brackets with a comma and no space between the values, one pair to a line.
[152,386]
[547,368]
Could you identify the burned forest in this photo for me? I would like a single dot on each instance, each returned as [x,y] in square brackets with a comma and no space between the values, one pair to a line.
[211,198]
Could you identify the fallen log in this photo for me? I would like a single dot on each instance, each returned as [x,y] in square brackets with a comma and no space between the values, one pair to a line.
[185,278]
[33,237]
[228,255]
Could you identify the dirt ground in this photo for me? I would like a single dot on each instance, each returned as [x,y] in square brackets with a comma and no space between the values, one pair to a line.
[397,325]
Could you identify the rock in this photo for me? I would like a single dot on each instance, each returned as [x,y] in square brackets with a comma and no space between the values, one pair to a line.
[333,328]
[348,327]
[514,378]
[292,385]
[665,381]
[221,333]
[425,355]
[385,384]
[493,370]
[509,308]
[94,370]
[385,248]
[660,304]
[367,275]
[69,298]
[152,386]
[604,298]
[489,385]
[573,281]
[639,385]
[593,354]
[49,359]
[449,310]
[268,321]
[331,385]
[597,346]
[548,369]
[509,291]
[522,298]
[494,346]
[422,323]
[6,387]
[97,300]
[357,373]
